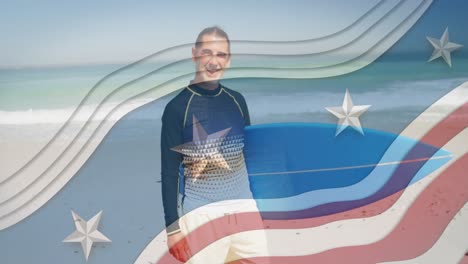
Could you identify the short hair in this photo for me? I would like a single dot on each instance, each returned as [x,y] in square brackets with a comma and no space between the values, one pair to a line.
[216,30]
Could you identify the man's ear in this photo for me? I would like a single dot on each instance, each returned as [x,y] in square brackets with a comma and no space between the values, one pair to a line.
[194,53]
[228,64]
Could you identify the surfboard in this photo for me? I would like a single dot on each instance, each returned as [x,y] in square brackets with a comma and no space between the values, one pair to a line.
[296,167]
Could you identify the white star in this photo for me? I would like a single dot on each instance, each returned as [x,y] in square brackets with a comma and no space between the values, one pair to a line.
[204,149]
[86,233]
[348,114]
[443,47]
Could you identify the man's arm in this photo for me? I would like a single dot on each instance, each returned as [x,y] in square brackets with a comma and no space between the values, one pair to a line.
[171,136]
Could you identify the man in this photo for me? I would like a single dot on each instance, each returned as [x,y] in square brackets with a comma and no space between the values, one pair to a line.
[202,130]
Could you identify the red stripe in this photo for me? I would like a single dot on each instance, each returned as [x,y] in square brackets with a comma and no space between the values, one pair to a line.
[464,260]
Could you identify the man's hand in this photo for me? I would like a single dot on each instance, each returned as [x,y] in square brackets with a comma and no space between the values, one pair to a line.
[180,250]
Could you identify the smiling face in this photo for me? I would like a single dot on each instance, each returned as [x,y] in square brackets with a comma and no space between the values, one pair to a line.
[211,58]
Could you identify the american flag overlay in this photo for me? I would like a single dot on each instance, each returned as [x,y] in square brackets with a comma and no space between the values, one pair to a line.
[350,146]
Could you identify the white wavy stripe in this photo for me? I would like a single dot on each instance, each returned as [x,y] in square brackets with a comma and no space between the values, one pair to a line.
[178,54]
[326,54]
[437,111]
[325,43]
[416,130]
[55,148]
[339,61]
[350,232]
[21,206]
[451,246]
[35,189]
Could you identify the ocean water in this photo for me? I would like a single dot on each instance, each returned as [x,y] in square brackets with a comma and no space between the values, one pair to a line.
[398,91]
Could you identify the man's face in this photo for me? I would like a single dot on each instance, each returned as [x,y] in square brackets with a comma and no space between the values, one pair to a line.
[211,58]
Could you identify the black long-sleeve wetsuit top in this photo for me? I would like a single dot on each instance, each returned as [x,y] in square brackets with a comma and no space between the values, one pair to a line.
[218,118]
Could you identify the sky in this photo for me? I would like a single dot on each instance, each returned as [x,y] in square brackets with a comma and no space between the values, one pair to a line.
[44,33]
